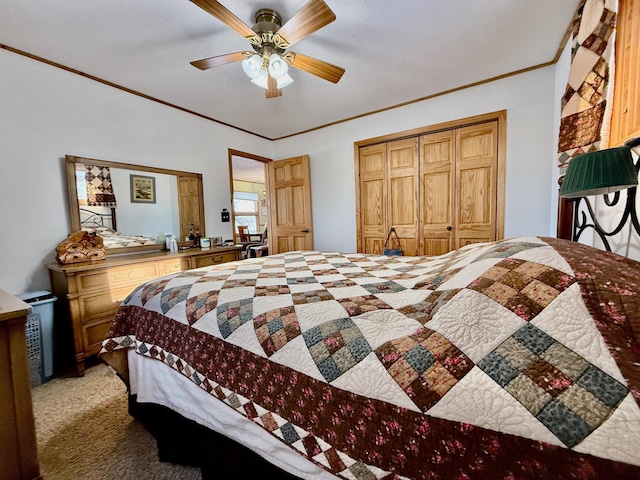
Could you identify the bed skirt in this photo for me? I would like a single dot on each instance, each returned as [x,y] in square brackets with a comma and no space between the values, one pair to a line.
[185,442]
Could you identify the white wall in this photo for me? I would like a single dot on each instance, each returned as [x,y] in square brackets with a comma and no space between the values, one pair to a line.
[46,113]
[529,100]
[146,219]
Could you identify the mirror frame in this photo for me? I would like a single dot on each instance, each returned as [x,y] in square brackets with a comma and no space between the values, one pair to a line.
[74,206]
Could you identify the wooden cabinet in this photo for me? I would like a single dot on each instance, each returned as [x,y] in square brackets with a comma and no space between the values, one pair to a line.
[18,446]
[625,113]
[440,188]
[90,293]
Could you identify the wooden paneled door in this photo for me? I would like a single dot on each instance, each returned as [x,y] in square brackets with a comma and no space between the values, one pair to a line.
[389,194]
[403,200]
[372,191]
[476,184]
[290,216]
[437,186]
[440,188]
[191,201]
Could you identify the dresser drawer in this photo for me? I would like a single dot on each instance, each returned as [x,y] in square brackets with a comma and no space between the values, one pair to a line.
[104,303]
[214,259]
[135,273]
[94,335]
[174,265]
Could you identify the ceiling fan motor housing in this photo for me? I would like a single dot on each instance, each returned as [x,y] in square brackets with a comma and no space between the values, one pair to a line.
[268,16]
[268,22]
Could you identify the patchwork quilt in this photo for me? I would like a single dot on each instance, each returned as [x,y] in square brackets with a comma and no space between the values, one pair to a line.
[511,359]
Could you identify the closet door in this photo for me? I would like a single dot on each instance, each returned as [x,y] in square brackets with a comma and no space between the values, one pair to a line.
[437,175]
[403,202]
[441,188]
[476,184]
[373,198]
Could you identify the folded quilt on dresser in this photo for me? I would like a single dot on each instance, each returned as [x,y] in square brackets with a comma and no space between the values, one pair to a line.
[510,359]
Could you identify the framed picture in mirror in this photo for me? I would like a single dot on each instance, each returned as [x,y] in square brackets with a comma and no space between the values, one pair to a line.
[143,189]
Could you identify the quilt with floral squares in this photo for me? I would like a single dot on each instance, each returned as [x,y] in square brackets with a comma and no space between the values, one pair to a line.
[512,359]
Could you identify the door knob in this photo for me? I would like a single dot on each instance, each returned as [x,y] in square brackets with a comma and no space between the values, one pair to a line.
[449,228]
[306,230]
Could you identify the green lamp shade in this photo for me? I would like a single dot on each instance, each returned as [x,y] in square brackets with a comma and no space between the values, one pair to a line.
[599,172]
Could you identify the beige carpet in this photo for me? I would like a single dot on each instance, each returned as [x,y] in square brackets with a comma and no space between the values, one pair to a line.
[85,432]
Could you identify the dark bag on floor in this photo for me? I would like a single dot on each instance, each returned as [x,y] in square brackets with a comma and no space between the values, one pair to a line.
[389,251]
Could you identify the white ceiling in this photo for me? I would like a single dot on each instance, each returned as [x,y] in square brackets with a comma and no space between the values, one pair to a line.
[393,52]
[247,169]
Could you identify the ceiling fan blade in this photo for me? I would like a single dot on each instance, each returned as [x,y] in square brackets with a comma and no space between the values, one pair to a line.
[311,17]
[317,67]
[207,63]
[273,90]
[224,15]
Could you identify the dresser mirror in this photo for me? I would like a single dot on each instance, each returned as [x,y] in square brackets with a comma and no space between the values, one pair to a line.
[133,206]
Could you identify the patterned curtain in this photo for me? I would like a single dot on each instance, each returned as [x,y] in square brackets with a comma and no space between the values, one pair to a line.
[99,187]
[584,124]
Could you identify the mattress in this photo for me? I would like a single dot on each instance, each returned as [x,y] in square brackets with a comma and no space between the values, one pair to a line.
[510,359]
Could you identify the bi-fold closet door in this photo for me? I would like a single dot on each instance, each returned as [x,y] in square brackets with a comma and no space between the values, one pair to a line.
[439,190]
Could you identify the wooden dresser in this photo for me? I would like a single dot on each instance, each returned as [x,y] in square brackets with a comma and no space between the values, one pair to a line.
[89,293]
[18,447]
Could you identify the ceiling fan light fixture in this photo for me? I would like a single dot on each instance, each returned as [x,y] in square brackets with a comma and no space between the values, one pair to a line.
[284,80]
[252,66]
[262,79]
[278,67]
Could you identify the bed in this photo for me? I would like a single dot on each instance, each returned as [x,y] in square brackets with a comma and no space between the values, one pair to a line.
[514,359]
[113,239]
[104,225]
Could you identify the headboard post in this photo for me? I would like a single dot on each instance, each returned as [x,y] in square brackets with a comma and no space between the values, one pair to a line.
[564,227]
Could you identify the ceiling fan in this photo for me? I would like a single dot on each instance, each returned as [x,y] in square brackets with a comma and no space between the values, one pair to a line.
[267,65]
